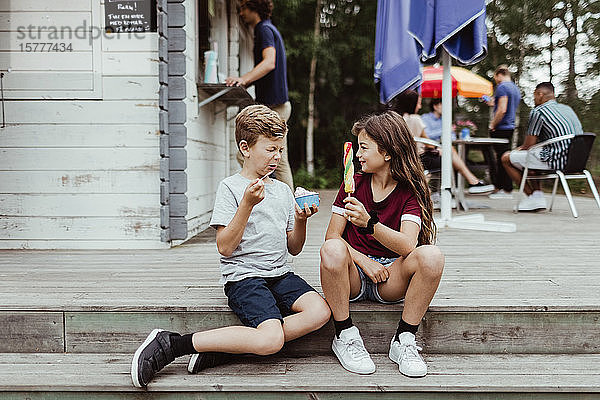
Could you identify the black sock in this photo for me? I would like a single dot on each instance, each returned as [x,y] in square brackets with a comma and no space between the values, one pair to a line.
[182,345]
[341,325]
[405,327]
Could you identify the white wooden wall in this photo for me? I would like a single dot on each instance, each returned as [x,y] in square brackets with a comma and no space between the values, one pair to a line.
[241,60]
[79,168]
[207,130]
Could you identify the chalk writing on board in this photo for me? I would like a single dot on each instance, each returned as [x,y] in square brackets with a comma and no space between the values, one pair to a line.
[130,15]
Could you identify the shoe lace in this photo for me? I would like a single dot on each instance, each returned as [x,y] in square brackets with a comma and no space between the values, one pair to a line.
[410,352]
[356,349]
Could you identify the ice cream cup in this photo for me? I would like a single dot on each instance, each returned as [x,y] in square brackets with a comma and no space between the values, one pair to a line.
[309,199]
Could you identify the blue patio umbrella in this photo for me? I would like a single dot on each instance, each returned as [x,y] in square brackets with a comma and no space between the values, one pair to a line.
[456,26]
[448,28]
[397,66]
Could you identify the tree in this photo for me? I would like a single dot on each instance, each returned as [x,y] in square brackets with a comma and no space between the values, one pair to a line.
[344,86]
[310,165]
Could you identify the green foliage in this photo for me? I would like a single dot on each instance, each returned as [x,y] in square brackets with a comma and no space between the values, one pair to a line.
[344,85]
[345,88]
[325,178]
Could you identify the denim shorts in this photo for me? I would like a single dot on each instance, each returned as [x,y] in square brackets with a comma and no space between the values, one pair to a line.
[255,300]
[368,288]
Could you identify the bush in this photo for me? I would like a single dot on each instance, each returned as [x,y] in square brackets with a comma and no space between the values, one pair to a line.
[323,179]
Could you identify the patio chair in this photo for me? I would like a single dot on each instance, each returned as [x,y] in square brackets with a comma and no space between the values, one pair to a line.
[579,152]
[435,175]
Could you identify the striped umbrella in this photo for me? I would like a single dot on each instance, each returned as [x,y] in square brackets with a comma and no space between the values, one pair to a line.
[464,83]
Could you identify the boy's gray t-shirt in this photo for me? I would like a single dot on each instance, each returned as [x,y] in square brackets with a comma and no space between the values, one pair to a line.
[262,252]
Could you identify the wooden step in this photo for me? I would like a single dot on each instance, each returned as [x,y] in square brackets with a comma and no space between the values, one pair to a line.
[524,292]
[472,376]
[451,332]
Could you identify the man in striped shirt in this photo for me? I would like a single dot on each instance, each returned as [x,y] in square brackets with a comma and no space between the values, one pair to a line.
[547,120]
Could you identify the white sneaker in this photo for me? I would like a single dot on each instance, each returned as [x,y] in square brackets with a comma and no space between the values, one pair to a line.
[480,188]
[500,194]
[351,352]
[405,353]
[532,203]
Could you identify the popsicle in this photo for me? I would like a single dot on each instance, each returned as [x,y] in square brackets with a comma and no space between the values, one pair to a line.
[348,168]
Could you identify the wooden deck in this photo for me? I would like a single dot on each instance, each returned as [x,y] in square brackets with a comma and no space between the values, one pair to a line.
[550,263]
[532,294]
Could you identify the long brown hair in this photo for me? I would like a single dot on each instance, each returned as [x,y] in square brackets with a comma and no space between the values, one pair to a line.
[390,133]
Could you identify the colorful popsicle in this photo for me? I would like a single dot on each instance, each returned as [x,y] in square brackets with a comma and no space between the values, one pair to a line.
[348,168]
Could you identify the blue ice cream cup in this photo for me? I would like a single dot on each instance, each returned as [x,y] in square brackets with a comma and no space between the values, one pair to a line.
[309,199]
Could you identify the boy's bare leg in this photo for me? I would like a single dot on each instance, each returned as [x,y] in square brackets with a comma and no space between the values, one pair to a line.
[339,277]
[415,277]
[267,338]
[312,313]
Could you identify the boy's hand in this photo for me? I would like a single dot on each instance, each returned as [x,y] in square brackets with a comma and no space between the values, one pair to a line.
[356,212]
[254,193]
[303,214]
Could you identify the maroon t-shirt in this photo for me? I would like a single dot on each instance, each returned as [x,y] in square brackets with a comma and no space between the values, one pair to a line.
[400,205]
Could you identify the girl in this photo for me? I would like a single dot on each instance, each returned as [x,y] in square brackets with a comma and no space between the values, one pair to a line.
[378,244]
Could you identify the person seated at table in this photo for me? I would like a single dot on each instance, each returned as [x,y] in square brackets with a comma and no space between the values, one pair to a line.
[547,120]
[433,121]
[408,104]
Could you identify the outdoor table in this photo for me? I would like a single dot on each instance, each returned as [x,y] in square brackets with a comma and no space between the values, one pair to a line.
[462,153]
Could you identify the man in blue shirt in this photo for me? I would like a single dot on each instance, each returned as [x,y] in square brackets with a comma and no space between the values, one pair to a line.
[433,120]
[547,120]
[506,101]
[269,74]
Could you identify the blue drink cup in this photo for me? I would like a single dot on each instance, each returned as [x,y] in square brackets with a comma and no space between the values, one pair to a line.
[309,199]
[465,134]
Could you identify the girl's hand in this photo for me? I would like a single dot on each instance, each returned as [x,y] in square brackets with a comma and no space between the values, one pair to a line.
[375,271]
[304,214]
[356,212]
[254,193]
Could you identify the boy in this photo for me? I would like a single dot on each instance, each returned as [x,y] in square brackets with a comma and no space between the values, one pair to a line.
[257,223]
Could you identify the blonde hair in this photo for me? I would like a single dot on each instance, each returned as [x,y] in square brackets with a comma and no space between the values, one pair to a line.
[258,120]
[390,132]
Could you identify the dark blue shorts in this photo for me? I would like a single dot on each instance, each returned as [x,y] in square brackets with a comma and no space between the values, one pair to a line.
[255,300]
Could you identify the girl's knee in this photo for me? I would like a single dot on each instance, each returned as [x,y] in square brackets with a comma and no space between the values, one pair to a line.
[431,260]
[333,255]
[271,340]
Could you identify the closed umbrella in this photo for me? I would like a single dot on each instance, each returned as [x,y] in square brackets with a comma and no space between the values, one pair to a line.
[464,83]
[450,28]
[397,66]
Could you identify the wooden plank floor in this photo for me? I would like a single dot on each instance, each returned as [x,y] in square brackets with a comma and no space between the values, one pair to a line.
[464,373]
[551,263]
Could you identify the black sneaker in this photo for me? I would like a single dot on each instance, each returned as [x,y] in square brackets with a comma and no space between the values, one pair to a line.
[152,356]
[209,359]
[480,188]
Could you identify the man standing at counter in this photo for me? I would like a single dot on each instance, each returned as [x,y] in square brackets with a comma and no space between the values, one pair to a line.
[269,74]
[506,100]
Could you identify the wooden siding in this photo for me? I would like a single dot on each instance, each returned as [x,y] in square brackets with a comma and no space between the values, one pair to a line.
[79,167]
[74,72]
[207,129]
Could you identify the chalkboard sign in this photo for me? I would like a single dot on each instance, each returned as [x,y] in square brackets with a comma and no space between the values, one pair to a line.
[130,15]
